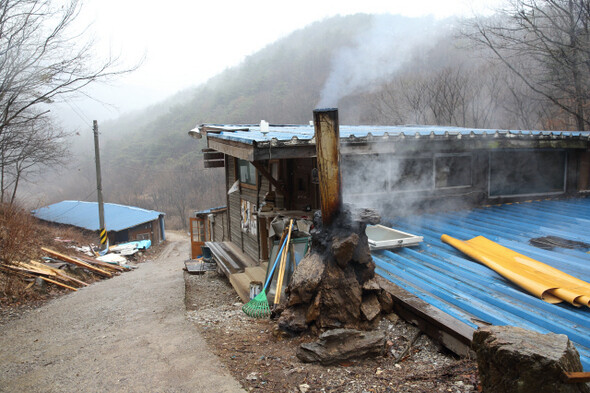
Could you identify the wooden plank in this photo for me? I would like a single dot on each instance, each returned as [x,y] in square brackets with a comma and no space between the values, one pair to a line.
[450,332]
[76,262]
[23,271]
[327,135]
[577,377]
[213,156]
[234,149]
[59,284]
[60,273]
[279,187]
[102,264]
[214,164]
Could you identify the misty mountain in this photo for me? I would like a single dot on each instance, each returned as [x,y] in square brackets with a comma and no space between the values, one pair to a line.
[377,69]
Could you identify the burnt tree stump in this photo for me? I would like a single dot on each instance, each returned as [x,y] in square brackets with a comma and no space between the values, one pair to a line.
[333,285]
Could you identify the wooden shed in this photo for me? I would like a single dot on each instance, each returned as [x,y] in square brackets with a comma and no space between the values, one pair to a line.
[398,170]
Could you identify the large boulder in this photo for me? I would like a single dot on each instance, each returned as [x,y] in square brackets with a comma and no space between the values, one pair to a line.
[516,360]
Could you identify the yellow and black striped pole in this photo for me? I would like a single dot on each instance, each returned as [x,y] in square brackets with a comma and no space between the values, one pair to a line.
[103,238]
[103,230]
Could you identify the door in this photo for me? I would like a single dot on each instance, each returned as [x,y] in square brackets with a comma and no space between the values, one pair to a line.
[199,236]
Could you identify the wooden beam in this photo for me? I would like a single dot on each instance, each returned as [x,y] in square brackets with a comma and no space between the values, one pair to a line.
[213,156]
[327,136]
[450,332]
[214,164]
[76,262]
[280,188]
[234,149]
[577,377]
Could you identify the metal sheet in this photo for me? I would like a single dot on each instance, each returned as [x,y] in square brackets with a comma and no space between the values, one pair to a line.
[85,215]
[475,294]
[303,134]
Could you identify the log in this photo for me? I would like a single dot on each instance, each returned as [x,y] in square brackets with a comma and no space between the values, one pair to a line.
[76,262]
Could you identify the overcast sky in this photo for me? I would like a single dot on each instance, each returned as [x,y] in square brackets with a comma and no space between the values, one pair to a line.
[184,43]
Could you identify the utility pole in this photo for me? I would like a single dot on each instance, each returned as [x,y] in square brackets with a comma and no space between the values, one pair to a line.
[103,230]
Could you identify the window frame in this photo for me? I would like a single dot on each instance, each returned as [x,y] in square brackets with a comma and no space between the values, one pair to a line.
[565,168]
[238,177]
[438,155]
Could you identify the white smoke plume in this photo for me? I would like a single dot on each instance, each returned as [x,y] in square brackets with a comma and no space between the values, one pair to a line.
[376,55]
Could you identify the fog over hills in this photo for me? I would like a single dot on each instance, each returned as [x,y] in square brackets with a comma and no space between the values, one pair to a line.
[373,67]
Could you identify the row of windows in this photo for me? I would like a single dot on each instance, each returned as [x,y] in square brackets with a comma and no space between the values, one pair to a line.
[517,172]
[377,174]
[522,172]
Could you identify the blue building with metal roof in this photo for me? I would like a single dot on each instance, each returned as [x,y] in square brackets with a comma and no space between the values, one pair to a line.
[123,223]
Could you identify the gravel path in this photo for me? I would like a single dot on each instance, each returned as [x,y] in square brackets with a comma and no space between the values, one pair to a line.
[126,334]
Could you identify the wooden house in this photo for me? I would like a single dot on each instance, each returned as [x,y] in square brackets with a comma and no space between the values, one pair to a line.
[399,170]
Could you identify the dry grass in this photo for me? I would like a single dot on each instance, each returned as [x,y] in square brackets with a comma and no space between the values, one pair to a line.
[21,239]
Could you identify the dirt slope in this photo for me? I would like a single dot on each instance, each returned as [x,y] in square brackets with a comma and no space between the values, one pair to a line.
[126,334]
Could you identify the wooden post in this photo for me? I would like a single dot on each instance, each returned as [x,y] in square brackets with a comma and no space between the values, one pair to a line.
[327,137]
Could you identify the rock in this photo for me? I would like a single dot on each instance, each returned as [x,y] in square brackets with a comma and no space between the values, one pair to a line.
[512,359]
[341,299]
[370,307]
[371,285]
[366,216]
[306,278]
[386,301]
[303,388]
[392,317]
[343,248]
[338,345]
[251,377]
[293,320]
[313,312]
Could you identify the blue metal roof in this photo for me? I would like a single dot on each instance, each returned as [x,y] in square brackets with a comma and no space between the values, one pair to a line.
[250,134]
[447,279]
[211,210]
[85,215]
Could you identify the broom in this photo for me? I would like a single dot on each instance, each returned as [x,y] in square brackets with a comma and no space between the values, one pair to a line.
[258,307]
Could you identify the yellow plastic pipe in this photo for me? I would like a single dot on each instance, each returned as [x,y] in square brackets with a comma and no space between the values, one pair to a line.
[545,282]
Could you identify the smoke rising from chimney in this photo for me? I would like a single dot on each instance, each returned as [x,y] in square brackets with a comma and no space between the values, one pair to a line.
[376,55]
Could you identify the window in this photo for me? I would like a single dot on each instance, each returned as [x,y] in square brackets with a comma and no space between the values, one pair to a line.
[411,174]
[526,172]
[246,172]
[452,171]
[365,174]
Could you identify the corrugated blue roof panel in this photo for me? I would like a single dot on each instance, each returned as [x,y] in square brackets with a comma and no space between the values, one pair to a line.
[250,134]
[443,276]
[211,210]
[85,215]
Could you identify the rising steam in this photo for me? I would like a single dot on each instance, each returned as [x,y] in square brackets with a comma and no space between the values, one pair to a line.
[376,55]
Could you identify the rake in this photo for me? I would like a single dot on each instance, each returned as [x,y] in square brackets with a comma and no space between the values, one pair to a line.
[258,307]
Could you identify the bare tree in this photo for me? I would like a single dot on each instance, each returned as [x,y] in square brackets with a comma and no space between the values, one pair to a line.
[546,44]
[37,145]
[42,61]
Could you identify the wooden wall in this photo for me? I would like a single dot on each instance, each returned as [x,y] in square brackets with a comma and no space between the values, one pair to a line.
[247,242]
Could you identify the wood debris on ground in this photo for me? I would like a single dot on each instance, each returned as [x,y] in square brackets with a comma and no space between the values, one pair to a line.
[57,276]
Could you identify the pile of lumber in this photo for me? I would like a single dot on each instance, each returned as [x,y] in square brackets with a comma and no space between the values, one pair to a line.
[59,277]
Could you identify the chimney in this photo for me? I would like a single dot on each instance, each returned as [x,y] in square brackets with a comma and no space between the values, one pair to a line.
[327,136]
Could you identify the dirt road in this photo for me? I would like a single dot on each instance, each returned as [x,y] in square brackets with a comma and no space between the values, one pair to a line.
[125,334]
